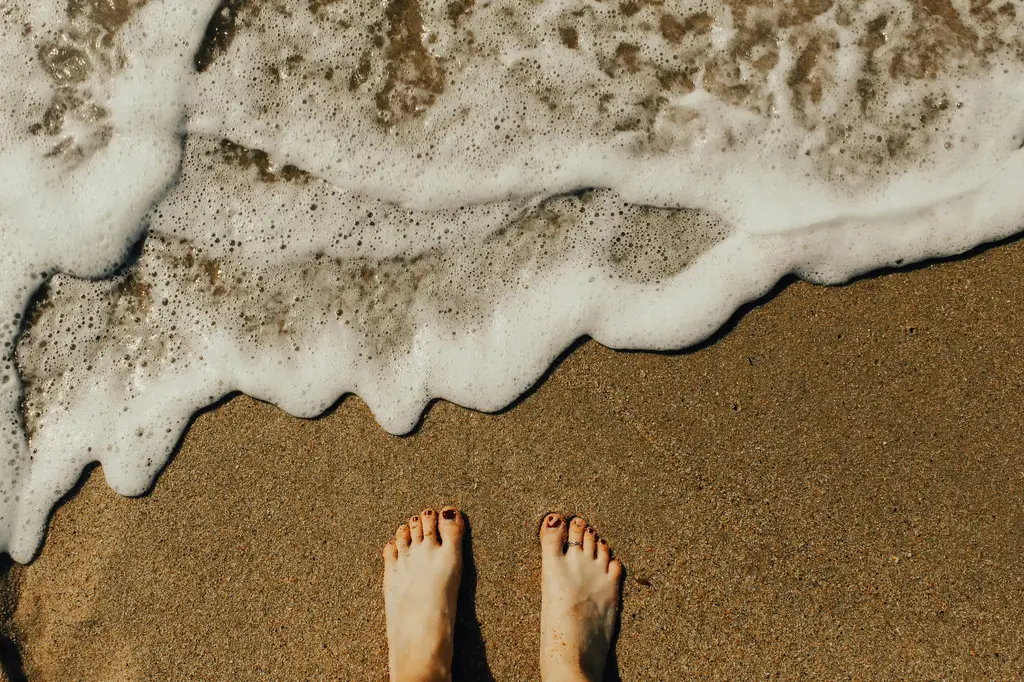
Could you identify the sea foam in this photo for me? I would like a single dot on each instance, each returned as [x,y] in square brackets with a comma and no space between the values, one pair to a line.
[414,199]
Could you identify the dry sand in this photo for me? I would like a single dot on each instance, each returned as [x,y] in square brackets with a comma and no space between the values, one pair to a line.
[833,489]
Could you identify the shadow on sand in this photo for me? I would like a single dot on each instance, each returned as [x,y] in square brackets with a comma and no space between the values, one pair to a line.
[469,663]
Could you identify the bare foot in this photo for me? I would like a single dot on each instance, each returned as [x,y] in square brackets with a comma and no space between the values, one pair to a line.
[422,569]
[579,601]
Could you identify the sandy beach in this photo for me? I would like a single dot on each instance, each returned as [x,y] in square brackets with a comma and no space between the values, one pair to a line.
[831,489]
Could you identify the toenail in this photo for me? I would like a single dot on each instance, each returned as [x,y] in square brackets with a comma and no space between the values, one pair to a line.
[414,519]
[578,522]
[428,513]
[603,541]
[448,514]
[590,531]
[554,522]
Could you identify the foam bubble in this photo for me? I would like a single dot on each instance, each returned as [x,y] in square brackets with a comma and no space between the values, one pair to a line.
[418,199]
[775,117]
[90,122]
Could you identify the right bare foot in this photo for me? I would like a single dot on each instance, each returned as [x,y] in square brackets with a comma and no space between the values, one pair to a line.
[579,601]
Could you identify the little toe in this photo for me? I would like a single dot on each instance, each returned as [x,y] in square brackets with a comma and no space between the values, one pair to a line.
[390,553]
[590,542]
[450,527]
[615,570]
[428,522]
[576,529]
[416,529]
[604,553]
[403,538]
[552,534]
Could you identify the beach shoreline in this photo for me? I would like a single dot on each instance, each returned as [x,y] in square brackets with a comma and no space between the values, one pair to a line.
[832,488]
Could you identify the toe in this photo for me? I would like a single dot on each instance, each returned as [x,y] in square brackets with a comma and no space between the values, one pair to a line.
[450,527]
[552,534]
[416,529]
[390,553]
[576,529]
[428,522]
[615,570]
[590,542]
[402,538]
[604,553]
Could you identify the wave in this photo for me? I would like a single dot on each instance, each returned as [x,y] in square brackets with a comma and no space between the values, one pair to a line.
[433,200]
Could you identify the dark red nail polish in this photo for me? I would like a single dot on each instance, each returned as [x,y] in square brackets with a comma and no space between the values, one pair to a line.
[448,514]
[414,519]
[590,531]
[554,522]
[429,512]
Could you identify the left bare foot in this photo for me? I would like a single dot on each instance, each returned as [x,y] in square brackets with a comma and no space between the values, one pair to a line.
[579,601]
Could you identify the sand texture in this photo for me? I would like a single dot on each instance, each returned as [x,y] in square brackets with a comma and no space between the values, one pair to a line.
[831,489]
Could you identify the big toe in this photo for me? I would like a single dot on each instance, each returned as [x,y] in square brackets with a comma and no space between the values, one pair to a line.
[552,534]
[451,527]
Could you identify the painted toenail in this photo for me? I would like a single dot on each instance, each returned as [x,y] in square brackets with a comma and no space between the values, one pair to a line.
[428,513]
[414,519]
[590,531]
[554,522]
[448,514]
[603,541]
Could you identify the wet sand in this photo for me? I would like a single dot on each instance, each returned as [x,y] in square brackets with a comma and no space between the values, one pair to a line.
[831,489]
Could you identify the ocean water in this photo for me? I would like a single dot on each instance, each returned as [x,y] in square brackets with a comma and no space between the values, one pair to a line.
[420,199]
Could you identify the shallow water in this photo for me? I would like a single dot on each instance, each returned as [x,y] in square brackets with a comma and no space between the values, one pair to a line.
[418,200]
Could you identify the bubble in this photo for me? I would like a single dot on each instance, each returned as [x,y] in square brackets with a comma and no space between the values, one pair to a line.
[410,200]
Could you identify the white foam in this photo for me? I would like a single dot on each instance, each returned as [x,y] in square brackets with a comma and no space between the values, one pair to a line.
[427,249]
[74,189]
[758,162]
